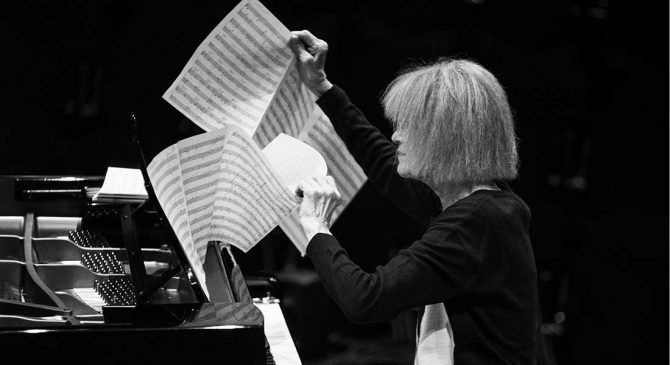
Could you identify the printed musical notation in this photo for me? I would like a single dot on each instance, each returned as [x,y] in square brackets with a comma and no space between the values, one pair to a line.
[348,175]
[218,186]
[233,75]
[121,185]
[244,74]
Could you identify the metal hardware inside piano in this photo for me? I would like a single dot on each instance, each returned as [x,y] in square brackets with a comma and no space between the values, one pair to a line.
[104,282]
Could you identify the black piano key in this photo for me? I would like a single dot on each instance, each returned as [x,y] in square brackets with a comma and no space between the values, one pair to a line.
[269,359]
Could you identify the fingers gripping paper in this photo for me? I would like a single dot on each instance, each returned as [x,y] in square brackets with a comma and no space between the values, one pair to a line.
[348,175]
[293,160]
[218,186]
[244,74]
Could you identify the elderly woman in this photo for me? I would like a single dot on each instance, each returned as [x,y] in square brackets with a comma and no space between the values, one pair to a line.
[472,273]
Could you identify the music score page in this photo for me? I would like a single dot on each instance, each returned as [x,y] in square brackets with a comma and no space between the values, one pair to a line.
[234,73]
[244,74]
[218,186]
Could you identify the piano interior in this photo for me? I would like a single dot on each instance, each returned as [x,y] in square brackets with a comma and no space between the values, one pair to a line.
[68,275]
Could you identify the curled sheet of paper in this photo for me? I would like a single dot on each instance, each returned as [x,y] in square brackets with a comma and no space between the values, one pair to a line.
[348,175]
[218,186]
[294,160]
[235,72]
[122,185]
[244,74]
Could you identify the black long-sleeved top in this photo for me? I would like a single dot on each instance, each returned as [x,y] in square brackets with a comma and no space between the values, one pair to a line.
[475,256]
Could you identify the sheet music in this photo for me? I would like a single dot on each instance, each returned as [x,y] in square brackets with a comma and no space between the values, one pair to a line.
[165,174]
[244,74]
[342,166]
[122,184]
[294,160]
[200,164]
[348,175]
[234,73]
[218,186]
[250,197]
[289,112]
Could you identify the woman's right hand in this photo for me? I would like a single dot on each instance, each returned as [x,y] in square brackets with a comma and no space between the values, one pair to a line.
[320,198]
[311,61]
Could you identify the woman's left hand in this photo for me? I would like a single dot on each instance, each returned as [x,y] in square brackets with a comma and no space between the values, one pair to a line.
[311,53]
[320,198]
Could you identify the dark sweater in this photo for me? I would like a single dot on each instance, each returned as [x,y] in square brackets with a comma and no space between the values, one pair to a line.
[475,256]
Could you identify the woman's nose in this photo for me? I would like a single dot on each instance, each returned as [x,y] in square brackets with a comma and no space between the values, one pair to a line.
[396,138]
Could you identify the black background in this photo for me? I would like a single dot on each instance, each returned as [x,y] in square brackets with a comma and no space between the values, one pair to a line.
[587,81]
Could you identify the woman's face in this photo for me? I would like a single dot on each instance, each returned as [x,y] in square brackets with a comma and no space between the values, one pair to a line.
[406,163]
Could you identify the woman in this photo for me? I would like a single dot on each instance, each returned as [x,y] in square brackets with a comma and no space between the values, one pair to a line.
[472,272]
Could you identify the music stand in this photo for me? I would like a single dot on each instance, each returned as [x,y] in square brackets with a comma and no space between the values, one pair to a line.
[143,288]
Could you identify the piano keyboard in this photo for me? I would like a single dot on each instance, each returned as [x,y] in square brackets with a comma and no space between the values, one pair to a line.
[283,351]
[269,359]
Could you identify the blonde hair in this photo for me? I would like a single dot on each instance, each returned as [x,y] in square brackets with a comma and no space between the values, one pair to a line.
[457,120]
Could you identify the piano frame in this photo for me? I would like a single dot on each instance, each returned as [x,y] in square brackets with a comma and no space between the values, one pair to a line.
[231,331]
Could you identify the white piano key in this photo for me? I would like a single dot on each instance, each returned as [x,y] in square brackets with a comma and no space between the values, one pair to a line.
[276,331]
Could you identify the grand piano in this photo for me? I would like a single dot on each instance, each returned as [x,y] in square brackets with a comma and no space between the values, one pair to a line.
[108,283]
